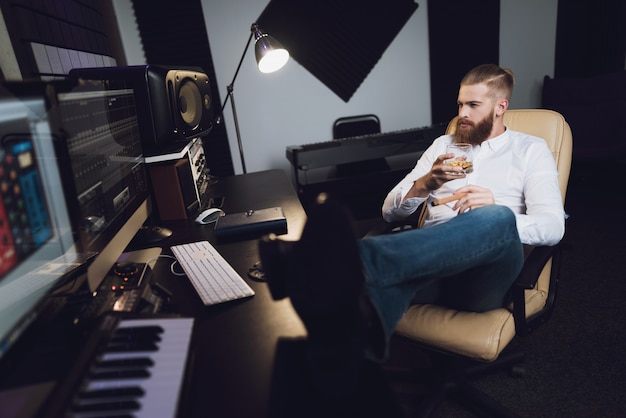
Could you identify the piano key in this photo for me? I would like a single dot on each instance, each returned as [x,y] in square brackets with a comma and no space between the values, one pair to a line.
[148,330]
[129,346]
[120,374]
[126,362]
[137,335]
[162,388]
[108,406]
[126,338]
[126,391]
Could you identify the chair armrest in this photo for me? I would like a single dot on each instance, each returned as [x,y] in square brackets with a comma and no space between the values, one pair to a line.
[527,279]
[533,265]
[410,222]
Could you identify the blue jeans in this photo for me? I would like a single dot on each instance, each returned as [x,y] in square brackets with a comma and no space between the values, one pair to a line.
[469,262]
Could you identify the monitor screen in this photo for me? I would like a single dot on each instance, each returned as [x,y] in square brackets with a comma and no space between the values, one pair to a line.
[73,187]
[36,240]
[103,171]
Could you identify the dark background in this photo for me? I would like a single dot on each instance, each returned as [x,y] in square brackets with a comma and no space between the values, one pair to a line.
[591,40]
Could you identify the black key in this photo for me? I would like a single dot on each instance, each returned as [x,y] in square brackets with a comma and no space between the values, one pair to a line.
[126,392]
[126,362]
[132,346]
[121,374]
[108,406]
[135,337]
[148,329]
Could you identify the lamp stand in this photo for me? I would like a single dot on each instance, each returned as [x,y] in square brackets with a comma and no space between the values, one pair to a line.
[230,95]
[236,120]
[270,56]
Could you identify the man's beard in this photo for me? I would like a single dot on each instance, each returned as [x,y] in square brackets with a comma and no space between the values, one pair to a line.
[476,133]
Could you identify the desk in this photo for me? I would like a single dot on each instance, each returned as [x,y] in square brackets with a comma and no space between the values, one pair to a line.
[248,357]
[234,343]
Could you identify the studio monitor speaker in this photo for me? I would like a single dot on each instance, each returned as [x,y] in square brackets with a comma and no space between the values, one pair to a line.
[173,103]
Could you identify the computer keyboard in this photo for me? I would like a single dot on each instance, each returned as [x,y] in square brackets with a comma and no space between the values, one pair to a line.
[213,278]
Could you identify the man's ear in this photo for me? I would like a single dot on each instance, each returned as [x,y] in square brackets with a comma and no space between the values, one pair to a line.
[501,106]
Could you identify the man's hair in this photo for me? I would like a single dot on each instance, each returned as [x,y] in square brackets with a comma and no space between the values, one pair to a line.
[499,80]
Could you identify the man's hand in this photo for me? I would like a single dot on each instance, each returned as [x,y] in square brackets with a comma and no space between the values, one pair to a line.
[436,177]
[476,197]
[442,173]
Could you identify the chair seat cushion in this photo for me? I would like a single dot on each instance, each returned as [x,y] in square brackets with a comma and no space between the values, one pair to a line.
[481,336]
[477,335]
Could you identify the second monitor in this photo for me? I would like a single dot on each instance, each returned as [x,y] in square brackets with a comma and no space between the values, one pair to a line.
[101,160]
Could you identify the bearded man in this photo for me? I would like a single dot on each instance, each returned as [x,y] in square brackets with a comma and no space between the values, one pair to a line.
[350,293]
[510,168]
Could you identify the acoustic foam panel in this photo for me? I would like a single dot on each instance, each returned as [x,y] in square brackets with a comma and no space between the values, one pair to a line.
[337,41]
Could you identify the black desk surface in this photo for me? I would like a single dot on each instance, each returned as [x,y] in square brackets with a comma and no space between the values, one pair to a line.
[247,357]
[234,344]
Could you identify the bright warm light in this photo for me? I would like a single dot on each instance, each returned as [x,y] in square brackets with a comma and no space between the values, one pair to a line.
[273,61]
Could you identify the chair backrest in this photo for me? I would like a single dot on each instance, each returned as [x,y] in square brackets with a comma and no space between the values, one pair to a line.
[548,125]
[551,127]
[348,126]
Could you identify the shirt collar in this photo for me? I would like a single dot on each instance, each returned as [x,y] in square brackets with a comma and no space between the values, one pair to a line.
[496,143]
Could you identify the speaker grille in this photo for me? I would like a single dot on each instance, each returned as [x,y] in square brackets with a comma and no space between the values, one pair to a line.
[191,109]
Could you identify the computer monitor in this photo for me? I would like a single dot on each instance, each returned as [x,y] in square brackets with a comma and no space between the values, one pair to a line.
[73,186]
[36,240]
[99,148]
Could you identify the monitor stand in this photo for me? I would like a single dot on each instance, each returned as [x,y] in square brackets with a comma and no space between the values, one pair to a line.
[147,256]
[151,234]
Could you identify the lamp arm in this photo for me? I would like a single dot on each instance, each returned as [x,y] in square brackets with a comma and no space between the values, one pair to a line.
[236,120]
[254,31]
[229,88]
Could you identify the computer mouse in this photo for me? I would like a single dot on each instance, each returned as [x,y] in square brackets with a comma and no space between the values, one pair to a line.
[209,215]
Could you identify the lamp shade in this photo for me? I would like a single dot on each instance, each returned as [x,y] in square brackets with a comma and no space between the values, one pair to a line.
[270,54]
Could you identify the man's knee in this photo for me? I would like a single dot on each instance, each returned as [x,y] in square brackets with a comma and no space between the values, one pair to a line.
[499,213]
[495,216]
[493,213]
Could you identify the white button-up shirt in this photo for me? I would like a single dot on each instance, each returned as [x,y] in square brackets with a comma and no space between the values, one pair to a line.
[520,171]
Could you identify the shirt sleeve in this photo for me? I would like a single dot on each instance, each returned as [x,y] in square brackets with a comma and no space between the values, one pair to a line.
[538,206]
[543,222]
[394,208]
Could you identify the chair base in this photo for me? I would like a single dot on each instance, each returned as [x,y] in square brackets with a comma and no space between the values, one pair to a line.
[449,379]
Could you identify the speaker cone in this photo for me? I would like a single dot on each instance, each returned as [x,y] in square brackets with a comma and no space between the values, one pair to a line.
[190,103]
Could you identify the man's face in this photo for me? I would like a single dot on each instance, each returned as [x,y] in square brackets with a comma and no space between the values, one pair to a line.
[476,114]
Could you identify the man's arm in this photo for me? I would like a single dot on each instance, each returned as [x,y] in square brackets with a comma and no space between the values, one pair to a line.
[544,220]
[428,174]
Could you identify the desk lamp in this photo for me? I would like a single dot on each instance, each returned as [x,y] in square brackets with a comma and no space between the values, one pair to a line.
[270,56]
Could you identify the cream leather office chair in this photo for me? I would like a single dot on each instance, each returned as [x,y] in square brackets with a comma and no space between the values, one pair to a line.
[483,336]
